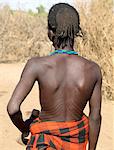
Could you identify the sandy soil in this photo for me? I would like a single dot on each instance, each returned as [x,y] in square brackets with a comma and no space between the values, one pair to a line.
[9,76]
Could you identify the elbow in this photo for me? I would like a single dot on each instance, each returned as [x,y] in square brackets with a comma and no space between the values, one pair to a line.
[95,118]
[12,109]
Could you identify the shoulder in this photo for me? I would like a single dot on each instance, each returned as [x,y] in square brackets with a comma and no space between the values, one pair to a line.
[93,65]
[96,70]
[35,64]
[32,65]
[32,61]
[96,67]
[93,68]
[36,60]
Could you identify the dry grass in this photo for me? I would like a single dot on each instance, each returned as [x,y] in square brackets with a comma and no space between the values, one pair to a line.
[23,35]
[97,22]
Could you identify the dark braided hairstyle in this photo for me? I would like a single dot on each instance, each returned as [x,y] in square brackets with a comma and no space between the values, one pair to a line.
[64,21]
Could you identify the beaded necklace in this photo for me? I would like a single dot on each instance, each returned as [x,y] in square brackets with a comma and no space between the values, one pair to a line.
[70,52]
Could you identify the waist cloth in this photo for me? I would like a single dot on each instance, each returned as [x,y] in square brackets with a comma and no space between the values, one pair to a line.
[49,135]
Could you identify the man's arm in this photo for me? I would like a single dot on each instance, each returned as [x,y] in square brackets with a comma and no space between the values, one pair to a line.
[27,80]
[95,112]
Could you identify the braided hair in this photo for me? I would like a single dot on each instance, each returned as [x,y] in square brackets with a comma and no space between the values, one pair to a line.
[64,21]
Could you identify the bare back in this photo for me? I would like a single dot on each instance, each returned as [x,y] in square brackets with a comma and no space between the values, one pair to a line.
[66,84]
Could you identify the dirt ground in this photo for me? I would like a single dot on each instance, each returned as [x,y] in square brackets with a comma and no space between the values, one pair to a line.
[9,135]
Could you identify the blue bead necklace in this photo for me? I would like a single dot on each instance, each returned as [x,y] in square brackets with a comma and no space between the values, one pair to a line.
[70,52]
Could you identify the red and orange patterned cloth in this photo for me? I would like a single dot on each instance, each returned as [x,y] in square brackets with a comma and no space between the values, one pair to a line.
[70,135]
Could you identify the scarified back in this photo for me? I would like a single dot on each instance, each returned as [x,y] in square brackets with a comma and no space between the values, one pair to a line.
[64,86]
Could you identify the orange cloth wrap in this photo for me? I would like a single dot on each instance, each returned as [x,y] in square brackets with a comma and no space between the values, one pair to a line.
[70,135]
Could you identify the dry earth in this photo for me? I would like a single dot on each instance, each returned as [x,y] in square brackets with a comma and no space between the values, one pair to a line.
[9,76]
